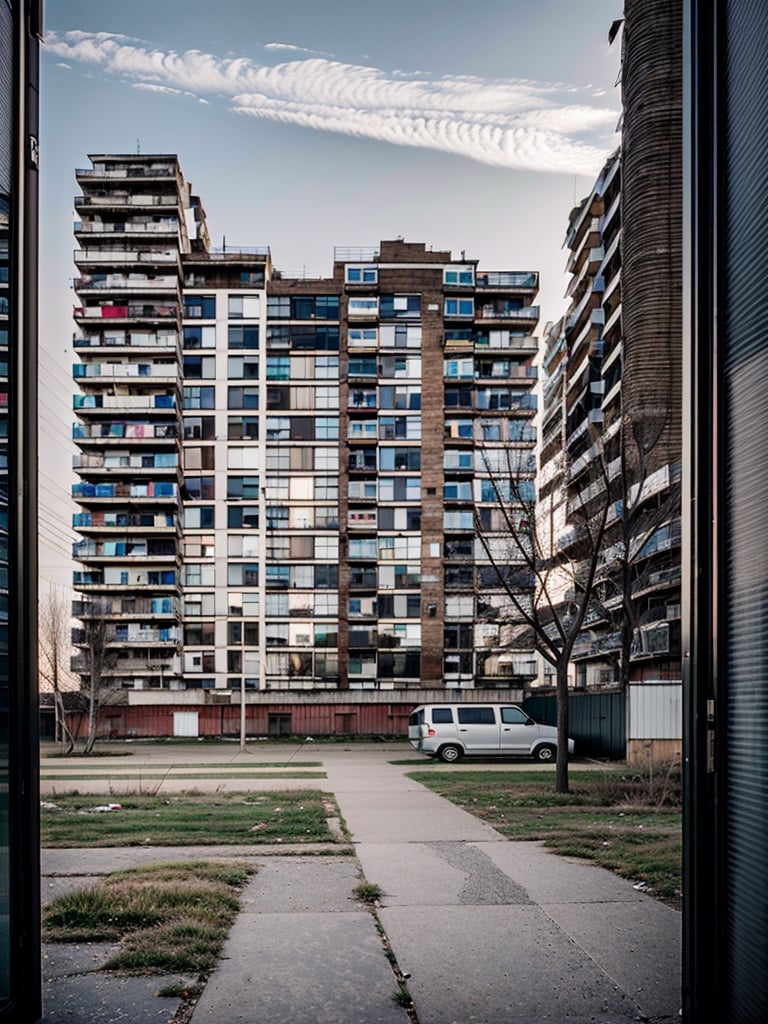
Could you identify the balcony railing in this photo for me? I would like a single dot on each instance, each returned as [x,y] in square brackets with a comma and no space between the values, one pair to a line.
[505,311]
[143,311]
[506,279]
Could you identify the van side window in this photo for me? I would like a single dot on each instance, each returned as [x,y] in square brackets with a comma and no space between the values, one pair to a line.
[440,715]
[514,716]
[477,716]
[417,717]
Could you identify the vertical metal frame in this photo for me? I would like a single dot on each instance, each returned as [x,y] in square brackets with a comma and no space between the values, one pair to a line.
[25,1002]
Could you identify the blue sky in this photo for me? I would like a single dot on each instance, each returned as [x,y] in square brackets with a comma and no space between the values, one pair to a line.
[305,125]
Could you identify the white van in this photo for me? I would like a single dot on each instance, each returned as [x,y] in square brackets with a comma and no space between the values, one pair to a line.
[451,731]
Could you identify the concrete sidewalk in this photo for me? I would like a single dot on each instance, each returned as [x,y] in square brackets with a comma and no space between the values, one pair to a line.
[490,931]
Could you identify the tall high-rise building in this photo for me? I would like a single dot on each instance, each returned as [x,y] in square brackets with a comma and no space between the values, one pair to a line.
[280,478]
[612,409]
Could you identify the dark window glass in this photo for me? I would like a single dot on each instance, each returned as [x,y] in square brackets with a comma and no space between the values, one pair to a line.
[476,716]
[441,716]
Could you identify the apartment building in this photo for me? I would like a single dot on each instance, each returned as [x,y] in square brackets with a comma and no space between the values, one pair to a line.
[279,479]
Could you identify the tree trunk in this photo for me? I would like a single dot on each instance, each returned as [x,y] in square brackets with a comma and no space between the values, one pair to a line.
[561,773]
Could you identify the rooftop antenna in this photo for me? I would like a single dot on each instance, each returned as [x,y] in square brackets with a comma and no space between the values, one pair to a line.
[138,147]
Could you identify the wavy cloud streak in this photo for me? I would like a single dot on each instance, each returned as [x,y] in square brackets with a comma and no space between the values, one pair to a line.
[503,122]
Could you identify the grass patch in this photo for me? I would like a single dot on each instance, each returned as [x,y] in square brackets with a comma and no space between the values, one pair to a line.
[189,819]
[368,892]
[167,919]
[625,821]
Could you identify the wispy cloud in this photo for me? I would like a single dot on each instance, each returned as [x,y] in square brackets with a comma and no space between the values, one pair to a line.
[503,122]
[292,48]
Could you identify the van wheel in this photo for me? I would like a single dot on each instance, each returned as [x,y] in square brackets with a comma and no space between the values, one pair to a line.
[450,753]
[546,752]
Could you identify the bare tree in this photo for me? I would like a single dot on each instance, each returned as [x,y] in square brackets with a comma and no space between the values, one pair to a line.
[560,579]
[647,503]
[97,661]
[55,647]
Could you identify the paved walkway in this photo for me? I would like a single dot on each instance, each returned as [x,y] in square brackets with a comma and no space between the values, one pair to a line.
[490,931]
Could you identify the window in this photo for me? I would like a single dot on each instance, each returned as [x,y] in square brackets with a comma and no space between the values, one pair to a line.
[362,337]
[199,428]
[199,457]
[200,307]
[243,457]
[457,459]
[400,397]
[454,490]
[199,398]
[463,369]
[326,396]
[400,306]
[199,546]
[246,307]
[199,634]
[460,307]
[476,716]
[243,517]
[363,366]
[244,574]
[327,428]
[242,487]
[459,275]
[278,428]
[457,521]
[399,458]
[198,517]
[198,574]
[196,605]
[458,634]
[278,367]
[243,397]
[243,337]
[326,367]
[199,367]
[200,337]
[199,487]
[243,367]
[326,488]
[365,274]
[243,428]
[363,306]
[459,398]
[459,428]
[514,716]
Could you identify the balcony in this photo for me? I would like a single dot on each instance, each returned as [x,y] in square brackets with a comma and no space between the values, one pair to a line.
[504,279]
[127,607]
[129,552]
[136,465]
[85,404]
[113,257]
[117,373]
[137,433]
[125,282]
[150,492]
[136,311]
[117,200]
[124,523]
[165,341]
[161,226]
[506,311]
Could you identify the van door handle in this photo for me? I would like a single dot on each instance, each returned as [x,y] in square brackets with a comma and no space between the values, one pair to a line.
[462,730]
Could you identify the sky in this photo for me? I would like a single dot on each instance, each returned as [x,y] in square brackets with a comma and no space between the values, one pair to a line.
[304,126]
